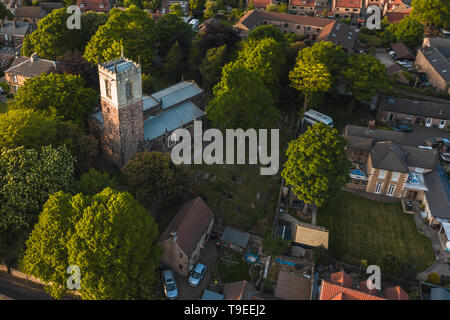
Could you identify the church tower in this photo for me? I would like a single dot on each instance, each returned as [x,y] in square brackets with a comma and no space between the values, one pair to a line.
[122,109]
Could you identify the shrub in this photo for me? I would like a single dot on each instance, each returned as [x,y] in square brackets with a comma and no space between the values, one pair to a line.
[434,278]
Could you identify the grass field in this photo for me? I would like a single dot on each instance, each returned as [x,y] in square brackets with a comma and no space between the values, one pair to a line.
[365,229]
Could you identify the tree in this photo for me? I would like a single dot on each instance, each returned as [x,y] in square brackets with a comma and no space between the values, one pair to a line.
[53,39]
[282,8]
[176,10]
[211,66]
[390,265]
[275,246]
[317,164]
[27,178]
[409,31]
[251,6]
[152,176]
[74,63]
[365,76]
[93,182]
[210,9]
[148,85]
[436,12]
[333,57]
[174,63]
[59,95]
[5,13]
[241,100]
[109,236]
[434,278]
[268,31]
[310,78]
[132,29]
[272,7]
[169,30]
[321,255]
[265,57]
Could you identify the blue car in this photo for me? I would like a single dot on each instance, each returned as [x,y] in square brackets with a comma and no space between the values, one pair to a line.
[197,274]
[170,286]
[402,127]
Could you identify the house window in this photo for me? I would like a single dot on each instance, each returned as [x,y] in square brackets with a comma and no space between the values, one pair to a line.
[395,176]
[442,124]
[382,174]
[129,90]
[108,88]
[429,121]
[378,187]
[14,78]
[391,190]
[172,140]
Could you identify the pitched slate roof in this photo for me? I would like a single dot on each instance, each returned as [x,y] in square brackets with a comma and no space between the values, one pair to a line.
[177,93]
[331,291]
[360,143]
[17,28]
[421,158]
[189,224]
[30,67]
[388,156]
[239,290]
[402,51]
[340,34]
[437,59]
[416,107]
[292,286]
[396,293]
[375,134]
[438,196]
[234,236]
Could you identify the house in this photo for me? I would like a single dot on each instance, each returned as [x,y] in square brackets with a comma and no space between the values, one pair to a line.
[130,122]
[308,7]
[402,51]
[292,286]
[234,239]
[94,5]
[30,14]
[430,114]
[211,295]
[397,73]
[347,8]
[313,28]
[7,56]
[433,58]
[186,235]
[239,290]
[166,4]
[309,236]
[50,6]
[429,291]
[24,68]
[12,33]
[395,9]
[396,293]
[437,203]
[341,278]
[260,4]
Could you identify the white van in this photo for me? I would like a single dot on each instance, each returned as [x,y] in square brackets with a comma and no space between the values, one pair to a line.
[312,116]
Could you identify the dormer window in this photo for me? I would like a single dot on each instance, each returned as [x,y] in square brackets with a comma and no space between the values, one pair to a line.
[82,5]
[129,90]
[101,5]
[108,88]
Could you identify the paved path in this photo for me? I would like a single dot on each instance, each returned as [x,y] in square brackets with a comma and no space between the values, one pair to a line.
[20,289]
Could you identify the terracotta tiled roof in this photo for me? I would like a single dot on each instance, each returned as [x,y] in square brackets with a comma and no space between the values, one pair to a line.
[349,3]
[396,293]
[261,3]
[402,51]
[394,17]
[331,291]
[292,286]
[363,287]
[240,290]
[189,224]
[341,278]
[304,3]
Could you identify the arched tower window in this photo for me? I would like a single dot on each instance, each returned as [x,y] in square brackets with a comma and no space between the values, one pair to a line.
[129,90]
[108,88]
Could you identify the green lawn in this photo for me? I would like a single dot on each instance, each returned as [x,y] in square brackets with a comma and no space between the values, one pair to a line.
[365,229]
[236,270]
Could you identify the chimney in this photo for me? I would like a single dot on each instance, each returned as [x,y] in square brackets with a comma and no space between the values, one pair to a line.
[371,124]
[33,57]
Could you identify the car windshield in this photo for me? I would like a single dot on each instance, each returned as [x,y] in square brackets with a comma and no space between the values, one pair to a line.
[195,275]
[171,287]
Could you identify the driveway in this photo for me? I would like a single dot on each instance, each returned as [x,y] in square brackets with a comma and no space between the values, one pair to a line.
[419,134]
[208,258]
[384,57]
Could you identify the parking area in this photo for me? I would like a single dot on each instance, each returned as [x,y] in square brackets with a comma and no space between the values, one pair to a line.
[208,258]
[419,134]
[384,57]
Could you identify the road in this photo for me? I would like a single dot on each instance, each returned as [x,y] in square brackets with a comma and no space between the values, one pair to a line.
[19,289]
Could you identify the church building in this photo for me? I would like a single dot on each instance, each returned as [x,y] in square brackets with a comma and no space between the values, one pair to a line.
[130,122]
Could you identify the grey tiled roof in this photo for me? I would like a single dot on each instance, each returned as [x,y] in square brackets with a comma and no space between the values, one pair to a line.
[438,197]
[389,156]
[376,134]
[234,236]
[15,28]
[25,67]
[416,107]
[439,62]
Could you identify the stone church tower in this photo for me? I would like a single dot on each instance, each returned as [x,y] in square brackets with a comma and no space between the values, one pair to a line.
[122,109]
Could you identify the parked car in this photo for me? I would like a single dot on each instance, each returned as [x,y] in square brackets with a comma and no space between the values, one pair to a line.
[434,142]
[170,286]
[402,128]
[444,151]
[408,205]
[197,274]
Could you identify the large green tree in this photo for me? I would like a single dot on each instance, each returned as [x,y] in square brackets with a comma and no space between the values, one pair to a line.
[109,236]
[436,12]
[268,31]
[317,164]
[241,100]
[59,95]
[409,31]
[211,66]
[174,65]
[169,30]
[52,39]
[365,76]
[132,29]
[27,178]
[152,176]
[310,79]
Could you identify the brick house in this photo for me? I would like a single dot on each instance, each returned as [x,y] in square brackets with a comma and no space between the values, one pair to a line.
[24,68]
[12,33]
[130,122]
[347,8]
[94,5]
[186,235]
[430,114]
[433,58]
[308,7]
[313,28]
[30,14]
